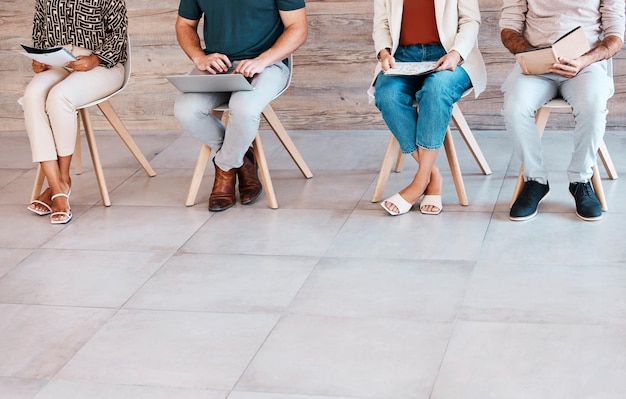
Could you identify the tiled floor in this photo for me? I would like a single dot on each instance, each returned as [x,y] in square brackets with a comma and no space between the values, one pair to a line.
[327,297]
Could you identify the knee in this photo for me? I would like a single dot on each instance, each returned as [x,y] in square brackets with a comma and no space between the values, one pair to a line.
[387,97]
[186,108]
[57,99]
[515,109]
[33,97]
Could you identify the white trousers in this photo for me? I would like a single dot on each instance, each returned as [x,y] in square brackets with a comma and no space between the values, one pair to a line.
[50,102]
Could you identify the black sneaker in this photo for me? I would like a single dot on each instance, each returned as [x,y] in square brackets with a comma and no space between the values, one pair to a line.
[525,206]
[587,204]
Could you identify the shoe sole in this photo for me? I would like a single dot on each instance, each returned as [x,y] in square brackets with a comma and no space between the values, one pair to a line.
[522,218]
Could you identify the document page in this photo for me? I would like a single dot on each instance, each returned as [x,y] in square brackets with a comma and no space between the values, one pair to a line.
[411,68]
[54,56]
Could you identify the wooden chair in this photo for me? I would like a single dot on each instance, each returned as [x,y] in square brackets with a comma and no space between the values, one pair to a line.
[541,119]
[109,113]
[278,128]
[393,152]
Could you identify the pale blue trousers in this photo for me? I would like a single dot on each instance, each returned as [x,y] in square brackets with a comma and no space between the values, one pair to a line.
[229,144]
[587,93]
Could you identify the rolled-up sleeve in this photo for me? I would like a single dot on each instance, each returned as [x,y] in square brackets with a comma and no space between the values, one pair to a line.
[513,15]
[612,14]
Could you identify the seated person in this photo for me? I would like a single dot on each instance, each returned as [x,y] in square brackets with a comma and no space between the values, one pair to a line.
[582,82]
[259,34]
[54,93]
[444,32]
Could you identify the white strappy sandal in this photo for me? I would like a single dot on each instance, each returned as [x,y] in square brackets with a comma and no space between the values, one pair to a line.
[68,214]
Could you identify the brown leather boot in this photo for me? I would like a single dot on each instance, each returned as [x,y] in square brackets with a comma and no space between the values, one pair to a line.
[248,175]
[223,195]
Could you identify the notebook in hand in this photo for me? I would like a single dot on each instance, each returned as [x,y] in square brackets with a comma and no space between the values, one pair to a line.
[197,81]
[54,56]
[537,61]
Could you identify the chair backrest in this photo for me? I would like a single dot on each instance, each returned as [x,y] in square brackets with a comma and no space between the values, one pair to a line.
[290,66]
[127,70]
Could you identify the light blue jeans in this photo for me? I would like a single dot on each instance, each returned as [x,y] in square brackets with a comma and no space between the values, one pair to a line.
[229,144]
[587,93]
[425,125]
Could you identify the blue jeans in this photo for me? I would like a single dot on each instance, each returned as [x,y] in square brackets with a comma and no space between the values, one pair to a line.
[434,94]
[229,144]
[587,93]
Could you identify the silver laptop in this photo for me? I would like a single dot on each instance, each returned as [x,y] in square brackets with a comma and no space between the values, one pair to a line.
[197,81]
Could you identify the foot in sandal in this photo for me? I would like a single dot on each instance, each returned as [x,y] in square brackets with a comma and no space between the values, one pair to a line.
[431,203]
[42,205]
[63,216]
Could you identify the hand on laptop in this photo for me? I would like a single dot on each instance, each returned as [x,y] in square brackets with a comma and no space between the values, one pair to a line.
[249,68]
[213,63]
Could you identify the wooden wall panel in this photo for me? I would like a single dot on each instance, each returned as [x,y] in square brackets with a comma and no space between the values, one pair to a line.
[332,70]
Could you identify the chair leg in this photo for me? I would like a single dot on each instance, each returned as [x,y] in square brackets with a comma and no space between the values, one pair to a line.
[198,173]
[470,140]
[283,136]
[519,184]
[38,184]
[78,155]
[603,152]
[264,171]
[596,182]
[95,156]
[122,131]
[399,162]
[455,169]
[385,169]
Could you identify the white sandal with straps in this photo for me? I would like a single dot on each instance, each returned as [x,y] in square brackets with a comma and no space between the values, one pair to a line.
[68,215]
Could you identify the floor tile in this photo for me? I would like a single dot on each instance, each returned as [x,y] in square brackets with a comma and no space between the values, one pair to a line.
[28,231]
[520,361]
[79,278]
[171,349]
[376,234]
[575,293]
[369,358]
[268,232]
[10,258]
[326,190]
[168,188]
[397,289]
[30,351]
[81,390]
[555,238]
[260,395]
[131,229]
[20,388]
[225,283]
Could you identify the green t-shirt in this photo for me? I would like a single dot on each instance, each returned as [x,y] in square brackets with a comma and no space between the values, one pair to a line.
[241,29]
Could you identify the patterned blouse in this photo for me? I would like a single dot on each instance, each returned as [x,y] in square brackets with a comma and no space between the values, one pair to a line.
[97,25]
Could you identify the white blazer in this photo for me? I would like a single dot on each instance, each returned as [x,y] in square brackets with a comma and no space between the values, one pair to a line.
[457,23]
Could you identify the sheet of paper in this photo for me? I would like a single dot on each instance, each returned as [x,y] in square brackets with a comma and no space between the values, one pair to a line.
[56,56]
[411,68]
